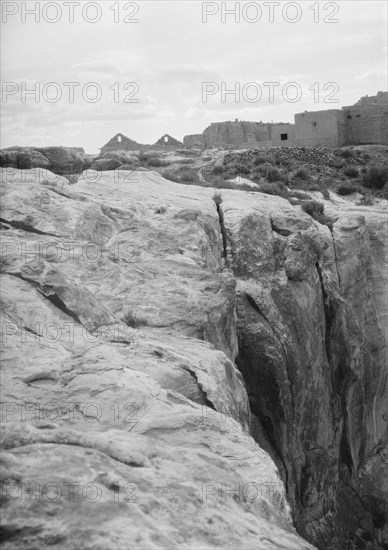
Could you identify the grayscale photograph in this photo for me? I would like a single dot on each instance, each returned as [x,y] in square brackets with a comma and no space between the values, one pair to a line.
[194,275]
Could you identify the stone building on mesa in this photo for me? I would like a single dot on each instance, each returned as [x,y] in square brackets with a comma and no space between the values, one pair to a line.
[120,142]
[242,134]
[365,122]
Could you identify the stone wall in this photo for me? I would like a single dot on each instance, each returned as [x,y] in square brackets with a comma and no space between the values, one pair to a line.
[367,120]
[319,128]
[364,122]
[194,141]
[283,135]
[243,134]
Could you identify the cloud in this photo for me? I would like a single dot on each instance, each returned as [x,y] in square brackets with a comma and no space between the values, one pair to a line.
[373,74]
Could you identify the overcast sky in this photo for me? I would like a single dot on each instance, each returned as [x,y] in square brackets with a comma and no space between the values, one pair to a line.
[168,55]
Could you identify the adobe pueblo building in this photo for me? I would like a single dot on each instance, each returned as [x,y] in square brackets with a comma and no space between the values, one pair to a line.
[365,122]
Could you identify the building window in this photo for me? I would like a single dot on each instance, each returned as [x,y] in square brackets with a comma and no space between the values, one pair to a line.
[283,137]
[358,116]
[119,139]
[349,116]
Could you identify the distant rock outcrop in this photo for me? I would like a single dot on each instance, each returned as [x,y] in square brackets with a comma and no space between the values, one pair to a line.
[63,161]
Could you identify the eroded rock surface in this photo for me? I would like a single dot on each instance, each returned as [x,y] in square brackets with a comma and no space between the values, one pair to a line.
[128,301]
[64,161]
[125,422]
[312,316]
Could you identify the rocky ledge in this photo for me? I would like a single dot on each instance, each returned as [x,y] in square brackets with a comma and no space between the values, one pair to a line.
[184,369]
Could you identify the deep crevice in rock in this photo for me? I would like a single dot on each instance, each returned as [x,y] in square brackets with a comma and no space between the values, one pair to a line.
[57,302]
[25,227]
[206,401]
[218,201]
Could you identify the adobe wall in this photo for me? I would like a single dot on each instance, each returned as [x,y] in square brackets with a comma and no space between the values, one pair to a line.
[364,122]
[244,135]
[367,120]
[194,141]
[320,128]
[281,130]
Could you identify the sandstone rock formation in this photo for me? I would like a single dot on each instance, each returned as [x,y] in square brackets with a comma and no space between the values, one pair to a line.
[128,300]
[64,161]
[312,316]
[124,427]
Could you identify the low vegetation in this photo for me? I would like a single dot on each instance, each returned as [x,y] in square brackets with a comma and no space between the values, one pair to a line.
[182,174]
[351,171]
[346,189]
[316,210]
[302,174]
[375,177]
[276,188]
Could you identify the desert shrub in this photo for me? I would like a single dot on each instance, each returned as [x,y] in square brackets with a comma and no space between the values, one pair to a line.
[171,176]
[133,320]
[317,211]
[230,173]
[262,159]
[161,210]
[262,170]
[366,200]
[313,187]
[182,161]
[275,175]
[275,188]
[375,177]
[385,191]
[300,195]
[182,175]
[189,152]
[313,208]
[345,153]
[346,189]
[218,169]
[284,162]
[157,162]
[325,193]
[351,171]
[242,168]
[302,174]
[145,155]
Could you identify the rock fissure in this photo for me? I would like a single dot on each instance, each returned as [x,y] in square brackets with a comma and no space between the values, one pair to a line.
[218,201]
[253,303]
[311,357]
[24,226]
[206,400]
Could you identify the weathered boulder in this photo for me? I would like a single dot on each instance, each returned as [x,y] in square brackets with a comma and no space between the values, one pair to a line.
[64,161]
[67,162]
[23,159]
[101,165]
[301,255]
[122,426]
[122,156]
